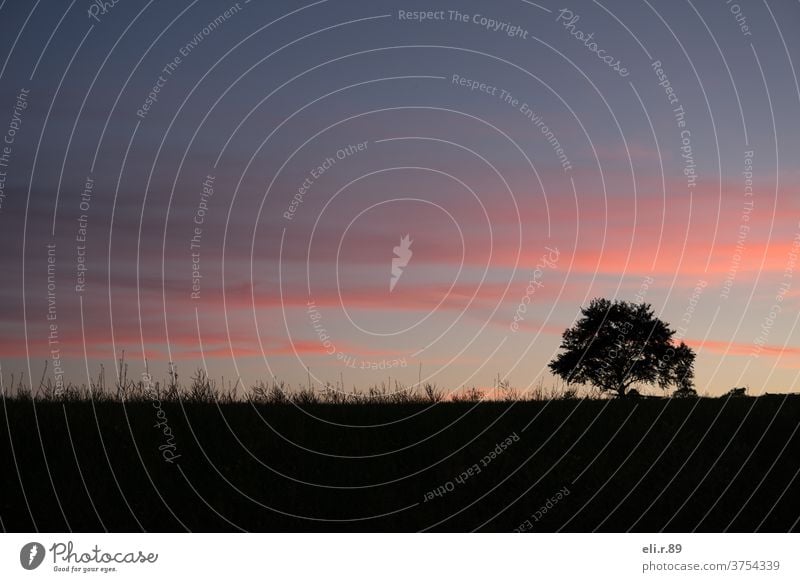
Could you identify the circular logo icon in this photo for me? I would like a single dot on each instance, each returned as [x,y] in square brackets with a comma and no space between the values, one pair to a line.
[31,555]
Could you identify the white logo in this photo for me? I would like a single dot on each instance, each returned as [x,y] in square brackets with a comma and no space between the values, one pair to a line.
[400,261]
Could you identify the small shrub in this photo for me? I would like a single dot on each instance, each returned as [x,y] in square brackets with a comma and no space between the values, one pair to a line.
[432,393]
[469,395]
[305,397]
[736,392]
[569,394]
[685,393]
[202,388]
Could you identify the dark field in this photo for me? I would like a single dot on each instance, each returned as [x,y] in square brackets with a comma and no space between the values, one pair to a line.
[630,464]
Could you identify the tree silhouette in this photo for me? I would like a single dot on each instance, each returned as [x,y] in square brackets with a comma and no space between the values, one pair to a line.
[617,344]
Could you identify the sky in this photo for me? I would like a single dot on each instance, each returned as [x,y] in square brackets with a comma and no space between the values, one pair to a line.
[228,186]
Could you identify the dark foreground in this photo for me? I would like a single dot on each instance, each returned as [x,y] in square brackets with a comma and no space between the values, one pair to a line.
[580,465]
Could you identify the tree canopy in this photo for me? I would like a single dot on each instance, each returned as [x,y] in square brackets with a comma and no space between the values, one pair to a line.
[617,344]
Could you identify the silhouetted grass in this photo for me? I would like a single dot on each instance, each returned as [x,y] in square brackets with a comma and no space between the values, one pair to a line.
[272,458]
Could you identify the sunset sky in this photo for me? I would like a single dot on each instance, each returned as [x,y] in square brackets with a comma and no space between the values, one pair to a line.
[235,177]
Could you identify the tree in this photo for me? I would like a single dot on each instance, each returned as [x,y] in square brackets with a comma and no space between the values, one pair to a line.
[616,344]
